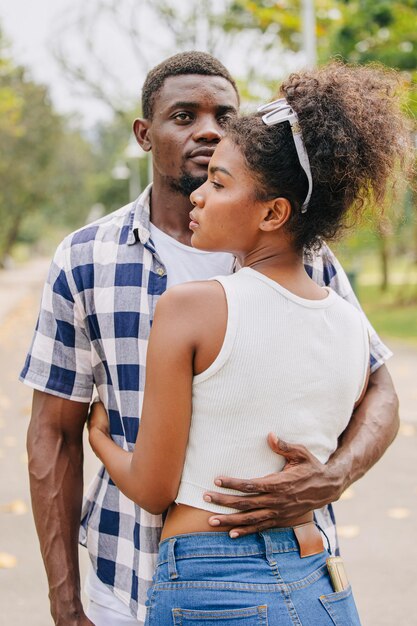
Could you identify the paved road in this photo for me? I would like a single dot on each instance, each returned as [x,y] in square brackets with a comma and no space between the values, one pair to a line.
[377,518]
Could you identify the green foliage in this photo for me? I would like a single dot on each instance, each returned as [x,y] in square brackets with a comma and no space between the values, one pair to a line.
[110,142]
[28,140]
[45,168]
[378,30]
[358,31]
[393,313]
[261,15]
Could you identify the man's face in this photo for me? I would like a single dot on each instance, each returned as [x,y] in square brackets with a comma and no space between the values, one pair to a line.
[190,114]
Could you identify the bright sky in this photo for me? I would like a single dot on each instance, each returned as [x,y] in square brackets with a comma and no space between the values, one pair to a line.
[32,29]
[36,27]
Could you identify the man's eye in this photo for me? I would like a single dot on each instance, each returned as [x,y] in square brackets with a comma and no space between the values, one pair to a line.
[183,117]
[225,119]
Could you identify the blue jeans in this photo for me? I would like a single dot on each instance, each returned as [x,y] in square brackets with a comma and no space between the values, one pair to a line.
[209,579]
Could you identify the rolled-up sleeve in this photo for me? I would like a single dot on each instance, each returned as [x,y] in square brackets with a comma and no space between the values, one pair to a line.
[59,359]
[338,280]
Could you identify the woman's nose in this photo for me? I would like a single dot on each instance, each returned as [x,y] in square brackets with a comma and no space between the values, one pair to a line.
[196,199]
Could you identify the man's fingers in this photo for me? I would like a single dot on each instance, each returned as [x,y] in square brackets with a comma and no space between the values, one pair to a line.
[234,533]
[243,503]
[254,486]
[292,452]
[253,519]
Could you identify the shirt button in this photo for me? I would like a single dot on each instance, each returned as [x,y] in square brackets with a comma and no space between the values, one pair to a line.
[160,271]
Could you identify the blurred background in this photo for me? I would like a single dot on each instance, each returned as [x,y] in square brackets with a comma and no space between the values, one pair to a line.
[70,80]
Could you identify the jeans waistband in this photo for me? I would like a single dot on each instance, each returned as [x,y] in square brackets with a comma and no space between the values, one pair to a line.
[194,545]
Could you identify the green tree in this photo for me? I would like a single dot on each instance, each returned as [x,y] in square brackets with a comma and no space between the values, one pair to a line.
[44,167]
[385,32]
[358,31]
[28,142]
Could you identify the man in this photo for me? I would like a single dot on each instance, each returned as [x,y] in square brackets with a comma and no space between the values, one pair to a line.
[95,320]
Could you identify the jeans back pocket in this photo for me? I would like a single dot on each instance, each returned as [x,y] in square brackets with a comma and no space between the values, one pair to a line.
[341,608]
[251,616]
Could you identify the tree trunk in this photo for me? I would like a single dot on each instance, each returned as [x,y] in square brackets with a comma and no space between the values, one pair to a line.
[10,237]
[384,260]
[414,218]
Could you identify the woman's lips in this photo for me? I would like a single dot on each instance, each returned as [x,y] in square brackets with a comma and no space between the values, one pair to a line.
[193,222]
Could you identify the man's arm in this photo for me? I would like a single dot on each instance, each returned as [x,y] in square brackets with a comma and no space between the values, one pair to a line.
[372,429]
[305,483]
[54,444]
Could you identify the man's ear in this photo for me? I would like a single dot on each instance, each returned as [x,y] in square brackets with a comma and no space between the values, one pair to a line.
[141,127]
[276,213]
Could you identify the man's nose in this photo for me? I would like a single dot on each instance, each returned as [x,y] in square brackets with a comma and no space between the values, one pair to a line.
[208,129]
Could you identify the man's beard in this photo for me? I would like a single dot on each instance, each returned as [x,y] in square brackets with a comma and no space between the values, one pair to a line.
[186,183]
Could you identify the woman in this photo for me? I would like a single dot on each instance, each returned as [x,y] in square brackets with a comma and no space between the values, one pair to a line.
[265,349]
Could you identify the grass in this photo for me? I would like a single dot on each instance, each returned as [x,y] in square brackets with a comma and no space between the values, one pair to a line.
[393,313]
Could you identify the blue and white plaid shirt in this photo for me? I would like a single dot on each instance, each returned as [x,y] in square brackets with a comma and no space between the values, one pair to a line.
[93,328]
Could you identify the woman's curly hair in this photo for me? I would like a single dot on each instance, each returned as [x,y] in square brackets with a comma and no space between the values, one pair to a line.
[355,135]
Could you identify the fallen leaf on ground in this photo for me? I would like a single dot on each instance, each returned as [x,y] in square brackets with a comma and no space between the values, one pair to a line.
[399,513]
[407,430]
[7,561]
[348,494]
[348,532]
[4,402]
[16,507]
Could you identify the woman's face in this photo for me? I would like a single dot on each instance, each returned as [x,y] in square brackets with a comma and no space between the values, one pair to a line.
[226,216]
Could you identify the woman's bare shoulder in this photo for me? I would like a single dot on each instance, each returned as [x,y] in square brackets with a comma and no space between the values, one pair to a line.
[192,296]
[193,316]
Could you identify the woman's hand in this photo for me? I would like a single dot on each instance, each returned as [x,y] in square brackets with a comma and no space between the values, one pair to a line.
[98,424]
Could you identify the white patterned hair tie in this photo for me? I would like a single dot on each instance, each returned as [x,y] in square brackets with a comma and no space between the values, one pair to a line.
[280,111]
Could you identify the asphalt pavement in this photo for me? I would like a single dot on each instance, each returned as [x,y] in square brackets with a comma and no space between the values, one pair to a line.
[377,517]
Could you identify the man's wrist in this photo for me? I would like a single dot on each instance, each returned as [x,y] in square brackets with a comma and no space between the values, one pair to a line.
[337,477]
[68,613]
[75,617]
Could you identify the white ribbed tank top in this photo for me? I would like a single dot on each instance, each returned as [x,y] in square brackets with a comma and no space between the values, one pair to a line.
[288,365]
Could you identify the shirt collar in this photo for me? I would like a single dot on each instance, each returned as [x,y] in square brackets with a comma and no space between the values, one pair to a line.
[140,217]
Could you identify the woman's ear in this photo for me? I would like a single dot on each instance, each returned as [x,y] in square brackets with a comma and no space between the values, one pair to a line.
[141,127]
[276,213]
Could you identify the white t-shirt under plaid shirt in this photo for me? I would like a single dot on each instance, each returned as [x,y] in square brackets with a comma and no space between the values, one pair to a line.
[96,314]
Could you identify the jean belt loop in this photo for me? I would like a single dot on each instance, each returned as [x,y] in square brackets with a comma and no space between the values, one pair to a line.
[269,550]
[172,567]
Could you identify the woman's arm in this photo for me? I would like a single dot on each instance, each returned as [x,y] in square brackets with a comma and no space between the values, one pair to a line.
[187,334]
[151,474]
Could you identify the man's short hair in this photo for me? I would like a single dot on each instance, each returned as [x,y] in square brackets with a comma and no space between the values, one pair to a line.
[192,62]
